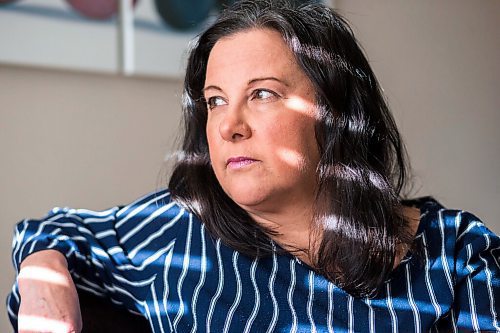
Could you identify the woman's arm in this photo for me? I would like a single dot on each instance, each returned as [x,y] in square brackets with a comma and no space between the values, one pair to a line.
[49,297]
[116,253]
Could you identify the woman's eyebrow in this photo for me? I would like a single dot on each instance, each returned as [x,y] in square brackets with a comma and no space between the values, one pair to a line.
[266,78]
[250,82]
[211,87]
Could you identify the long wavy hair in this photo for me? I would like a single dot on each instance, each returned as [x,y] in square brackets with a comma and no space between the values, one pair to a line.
[362,169]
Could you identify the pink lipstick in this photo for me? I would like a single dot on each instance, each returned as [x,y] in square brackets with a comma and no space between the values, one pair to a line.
[239,162]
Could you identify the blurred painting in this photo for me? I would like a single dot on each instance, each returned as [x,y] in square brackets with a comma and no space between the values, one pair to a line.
[83,34]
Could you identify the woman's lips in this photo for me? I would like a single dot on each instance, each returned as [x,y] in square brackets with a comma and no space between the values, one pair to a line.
[239,162]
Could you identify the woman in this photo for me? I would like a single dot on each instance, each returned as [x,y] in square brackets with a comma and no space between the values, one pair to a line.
[284,213]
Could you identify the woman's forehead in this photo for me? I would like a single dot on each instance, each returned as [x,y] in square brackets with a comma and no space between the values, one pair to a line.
[254,52]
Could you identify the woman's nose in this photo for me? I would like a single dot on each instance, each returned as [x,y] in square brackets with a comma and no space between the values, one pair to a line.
[234,126]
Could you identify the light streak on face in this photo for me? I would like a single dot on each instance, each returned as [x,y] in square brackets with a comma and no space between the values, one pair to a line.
[298,104]
[291,157]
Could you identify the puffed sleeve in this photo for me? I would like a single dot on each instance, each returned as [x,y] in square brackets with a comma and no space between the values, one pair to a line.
[114,253]
[477,303]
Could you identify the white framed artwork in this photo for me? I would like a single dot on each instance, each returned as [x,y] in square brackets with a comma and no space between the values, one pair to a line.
[151,39]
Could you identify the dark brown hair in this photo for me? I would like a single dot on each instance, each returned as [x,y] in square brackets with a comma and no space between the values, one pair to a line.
[363,161]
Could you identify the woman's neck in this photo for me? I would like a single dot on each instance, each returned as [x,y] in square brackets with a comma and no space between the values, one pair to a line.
[295,231]
[293,228]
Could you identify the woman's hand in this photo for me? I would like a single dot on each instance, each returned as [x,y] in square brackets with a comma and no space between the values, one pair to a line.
[49,301]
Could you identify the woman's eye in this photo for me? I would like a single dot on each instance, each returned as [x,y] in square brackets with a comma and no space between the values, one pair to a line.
[215,101]
[263,94]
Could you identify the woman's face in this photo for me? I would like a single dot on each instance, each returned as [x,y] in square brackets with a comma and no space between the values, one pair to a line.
[261,119]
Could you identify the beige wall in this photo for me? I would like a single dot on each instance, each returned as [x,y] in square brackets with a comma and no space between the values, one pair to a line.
[438,62]
[78,140]
[92,141]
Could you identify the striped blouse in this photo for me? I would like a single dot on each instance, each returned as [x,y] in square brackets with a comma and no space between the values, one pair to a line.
[155,258]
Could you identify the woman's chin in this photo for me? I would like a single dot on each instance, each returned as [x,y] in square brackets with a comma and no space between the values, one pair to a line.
[247,198]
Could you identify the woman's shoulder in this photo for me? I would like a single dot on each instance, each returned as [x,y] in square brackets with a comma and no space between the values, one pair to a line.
[434,216]
[147,213]
[453,232]
[159,202]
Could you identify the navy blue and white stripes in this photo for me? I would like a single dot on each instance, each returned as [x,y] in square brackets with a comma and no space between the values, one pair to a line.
[155,258]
